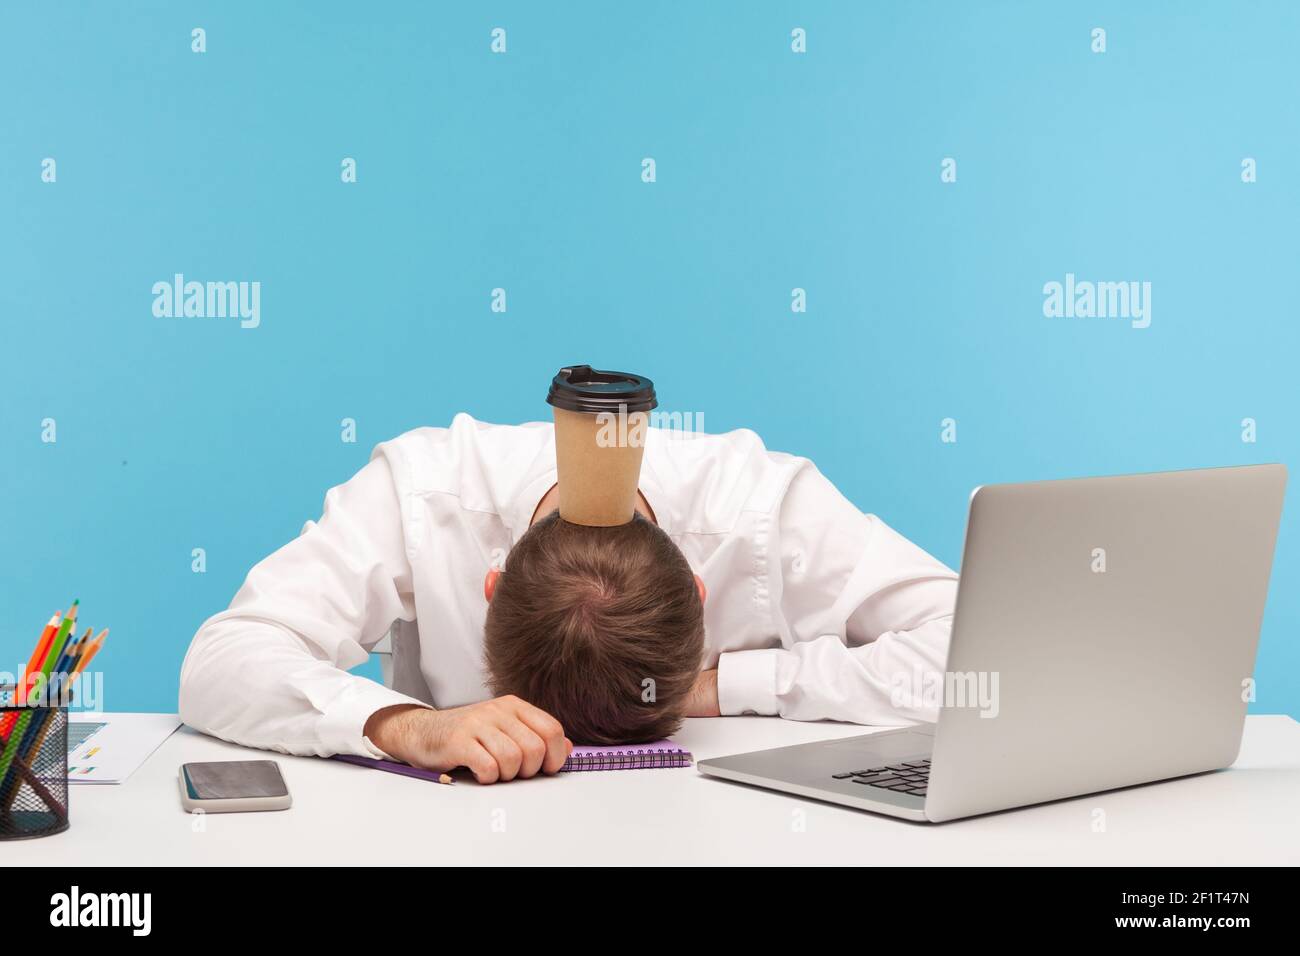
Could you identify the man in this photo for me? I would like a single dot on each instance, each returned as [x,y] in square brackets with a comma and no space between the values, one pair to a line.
[746,584]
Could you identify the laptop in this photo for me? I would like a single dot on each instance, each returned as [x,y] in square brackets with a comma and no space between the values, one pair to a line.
[1117,621]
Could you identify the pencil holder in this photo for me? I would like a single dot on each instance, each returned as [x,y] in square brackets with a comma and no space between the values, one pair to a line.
[33,771]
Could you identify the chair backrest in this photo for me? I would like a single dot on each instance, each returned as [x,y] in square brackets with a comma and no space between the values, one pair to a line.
[399,661]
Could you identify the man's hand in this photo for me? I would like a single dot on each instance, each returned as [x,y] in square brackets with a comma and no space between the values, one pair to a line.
[703,701]
[497,739]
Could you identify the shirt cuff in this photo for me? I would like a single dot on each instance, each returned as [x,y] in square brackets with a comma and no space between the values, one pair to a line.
[375,751]
[342,725]
[747,682]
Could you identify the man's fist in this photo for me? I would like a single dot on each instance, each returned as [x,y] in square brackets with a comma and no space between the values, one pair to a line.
[499,739]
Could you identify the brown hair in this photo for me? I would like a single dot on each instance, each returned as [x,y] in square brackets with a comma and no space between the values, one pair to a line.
[582,617]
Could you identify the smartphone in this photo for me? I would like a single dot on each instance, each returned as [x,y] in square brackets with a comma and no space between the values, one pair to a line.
[233,786]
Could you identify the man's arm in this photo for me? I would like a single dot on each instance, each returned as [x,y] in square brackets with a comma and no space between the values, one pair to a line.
[271,671]
[703,699]
[864,616]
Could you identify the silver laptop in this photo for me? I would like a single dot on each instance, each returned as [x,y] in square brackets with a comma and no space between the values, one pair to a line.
[1116,618]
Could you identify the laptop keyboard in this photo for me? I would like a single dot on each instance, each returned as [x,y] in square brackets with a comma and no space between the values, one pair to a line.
[911,776]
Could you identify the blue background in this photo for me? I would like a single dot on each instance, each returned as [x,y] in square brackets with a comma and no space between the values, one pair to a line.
[775,170]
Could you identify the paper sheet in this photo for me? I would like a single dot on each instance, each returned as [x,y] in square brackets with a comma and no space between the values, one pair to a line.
[108,748]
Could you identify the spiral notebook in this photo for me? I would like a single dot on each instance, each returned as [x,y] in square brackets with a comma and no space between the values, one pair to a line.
[661,753]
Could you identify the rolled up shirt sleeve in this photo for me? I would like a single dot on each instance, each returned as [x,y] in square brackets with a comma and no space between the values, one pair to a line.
[271,671]
[863,617]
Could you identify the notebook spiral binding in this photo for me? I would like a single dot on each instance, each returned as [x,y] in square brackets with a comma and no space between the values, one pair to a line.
[628,760]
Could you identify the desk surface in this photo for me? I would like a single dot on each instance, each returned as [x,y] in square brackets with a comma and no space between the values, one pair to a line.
[344,814]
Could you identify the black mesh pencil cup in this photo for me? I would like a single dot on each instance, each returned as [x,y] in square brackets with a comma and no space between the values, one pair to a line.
[33,771]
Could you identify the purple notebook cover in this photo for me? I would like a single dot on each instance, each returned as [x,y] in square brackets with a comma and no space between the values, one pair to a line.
[661,753]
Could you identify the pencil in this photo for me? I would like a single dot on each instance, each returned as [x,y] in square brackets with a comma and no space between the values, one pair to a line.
[63,669]
[55,647]
[55,650]
[38,653]
[90,652]
[35,746]
[38,656]
[82,653]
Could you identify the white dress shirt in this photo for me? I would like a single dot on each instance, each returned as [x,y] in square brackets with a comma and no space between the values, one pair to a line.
[815,610]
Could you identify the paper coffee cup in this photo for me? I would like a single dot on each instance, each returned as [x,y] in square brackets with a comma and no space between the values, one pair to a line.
[601,422]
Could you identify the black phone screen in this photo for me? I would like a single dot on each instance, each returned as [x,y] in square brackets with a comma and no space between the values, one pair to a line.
[234,779]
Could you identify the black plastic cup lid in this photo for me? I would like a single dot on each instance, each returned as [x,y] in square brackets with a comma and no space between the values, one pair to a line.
[581,388]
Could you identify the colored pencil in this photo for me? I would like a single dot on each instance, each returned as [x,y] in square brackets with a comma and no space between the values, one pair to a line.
[90,652]
[38,655]
[55,650]
[63,669]
[37,658]
[79,652]
[20,689]
[51,655]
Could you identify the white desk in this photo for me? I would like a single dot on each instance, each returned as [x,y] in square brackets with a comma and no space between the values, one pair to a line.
[349,815]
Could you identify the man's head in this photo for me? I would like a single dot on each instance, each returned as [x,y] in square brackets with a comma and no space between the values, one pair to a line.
[582,619]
